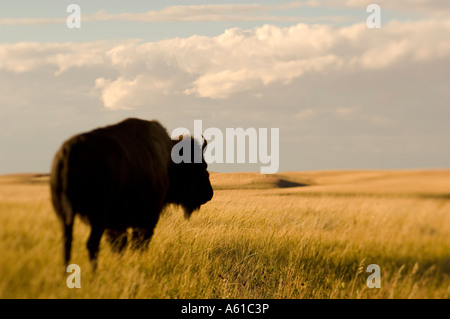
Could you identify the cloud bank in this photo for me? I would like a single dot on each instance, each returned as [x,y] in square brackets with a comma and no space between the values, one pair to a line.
[234,62]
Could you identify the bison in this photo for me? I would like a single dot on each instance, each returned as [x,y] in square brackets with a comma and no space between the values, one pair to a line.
[122,176]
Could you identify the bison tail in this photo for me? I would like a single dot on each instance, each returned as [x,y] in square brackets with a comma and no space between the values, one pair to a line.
[61,203]
[59,189]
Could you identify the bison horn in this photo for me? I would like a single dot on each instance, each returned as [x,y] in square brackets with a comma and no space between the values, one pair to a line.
[205,143]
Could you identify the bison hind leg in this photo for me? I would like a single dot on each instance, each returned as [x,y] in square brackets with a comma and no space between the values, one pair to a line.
[93,244]
[141,238]
[117,239]
[67,239]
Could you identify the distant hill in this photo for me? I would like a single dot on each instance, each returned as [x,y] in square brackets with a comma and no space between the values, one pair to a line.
[343,181]
[339,181]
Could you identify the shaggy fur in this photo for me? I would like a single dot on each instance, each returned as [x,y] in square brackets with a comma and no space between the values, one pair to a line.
[122,176]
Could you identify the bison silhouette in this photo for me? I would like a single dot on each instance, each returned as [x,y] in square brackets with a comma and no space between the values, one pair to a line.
[122,176]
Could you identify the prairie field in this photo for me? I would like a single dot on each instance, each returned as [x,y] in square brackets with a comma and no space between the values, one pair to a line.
[290,235]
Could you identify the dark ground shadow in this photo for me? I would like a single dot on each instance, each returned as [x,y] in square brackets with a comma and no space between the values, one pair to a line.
[282,183]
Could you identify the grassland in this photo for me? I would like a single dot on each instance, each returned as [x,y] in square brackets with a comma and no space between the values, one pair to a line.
[292,235]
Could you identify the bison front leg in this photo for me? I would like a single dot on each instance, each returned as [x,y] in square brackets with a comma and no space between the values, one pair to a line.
[93,244]
[117,239]
[141,238]
[67,234]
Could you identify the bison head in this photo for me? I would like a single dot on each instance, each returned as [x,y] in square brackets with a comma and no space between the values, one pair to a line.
[189,178]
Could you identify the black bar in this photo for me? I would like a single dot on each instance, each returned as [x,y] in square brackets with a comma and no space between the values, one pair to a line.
[223,308]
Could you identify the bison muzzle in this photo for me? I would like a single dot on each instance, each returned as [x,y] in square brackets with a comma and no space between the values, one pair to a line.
[120,177]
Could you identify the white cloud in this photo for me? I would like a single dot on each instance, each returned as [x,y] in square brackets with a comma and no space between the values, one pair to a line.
[345,110]
[435,8]
[30,21]
[120,93]
[209,12]
[305,114]
[224,83]
[191,13]
[28,56]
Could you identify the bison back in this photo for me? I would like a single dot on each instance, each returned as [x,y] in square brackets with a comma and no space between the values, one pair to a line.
[116,176]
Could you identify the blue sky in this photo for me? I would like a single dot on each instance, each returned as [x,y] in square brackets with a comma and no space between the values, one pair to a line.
[343,96]
[274,12]
[151,31]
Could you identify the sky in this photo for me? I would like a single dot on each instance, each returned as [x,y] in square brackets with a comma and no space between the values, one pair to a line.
[343,95]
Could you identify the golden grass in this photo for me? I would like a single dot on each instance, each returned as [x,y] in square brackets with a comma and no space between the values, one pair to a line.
[255,239]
